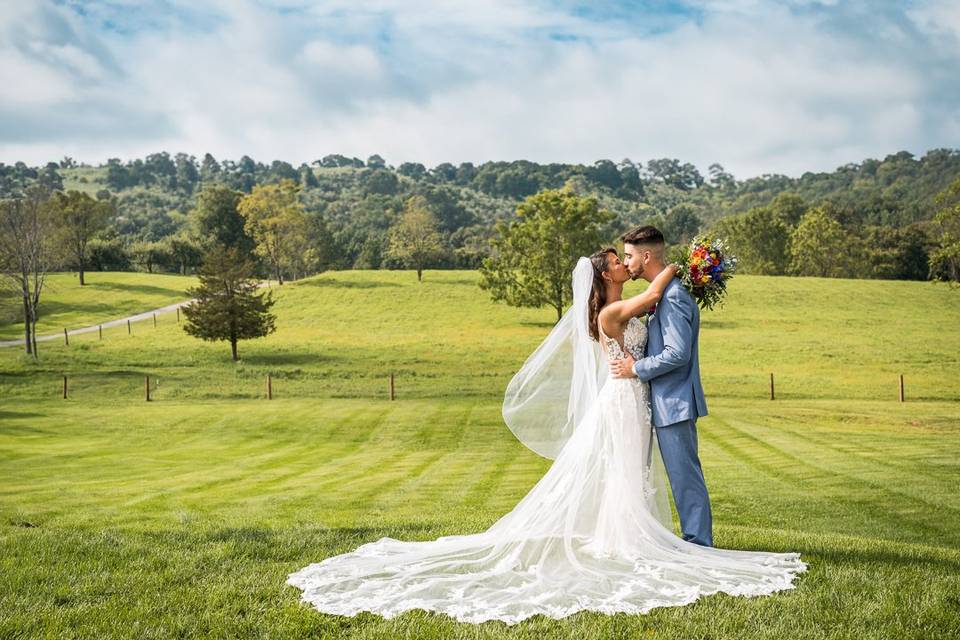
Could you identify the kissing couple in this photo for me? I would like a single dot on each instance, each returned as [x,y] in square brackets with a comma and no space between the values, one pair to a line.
[612,395]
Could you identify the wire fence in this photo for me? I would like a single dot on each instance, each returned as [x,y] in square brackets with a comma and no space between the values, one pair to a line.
[385,383]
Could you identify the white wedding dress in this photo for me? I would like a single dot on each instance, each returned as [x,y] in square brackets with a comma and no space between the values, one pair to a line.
[587,537]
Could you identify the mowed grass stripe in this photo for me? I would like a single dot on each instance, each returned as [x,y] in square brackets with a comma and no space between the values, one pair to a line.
[800,450]
[918,516]
[875,464]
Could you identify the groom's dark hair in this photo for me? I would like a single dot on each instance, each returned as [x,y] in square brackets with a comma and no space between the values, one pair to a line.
[644,235]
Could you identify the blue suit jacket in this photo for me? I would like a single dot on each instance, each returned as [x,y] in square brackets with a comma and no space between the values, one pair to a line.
[671,362]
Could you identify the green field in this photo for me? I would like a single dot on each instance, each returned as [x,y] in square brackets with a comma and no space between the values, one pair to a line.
[105,296]
[181,517]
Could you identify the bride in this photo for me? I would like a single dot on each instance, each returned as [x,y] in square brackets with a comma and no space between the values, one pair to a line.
[595,533]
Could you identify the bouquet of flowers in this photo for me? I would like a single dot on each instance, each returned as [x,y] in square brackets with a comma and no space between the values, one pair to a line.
[704,268]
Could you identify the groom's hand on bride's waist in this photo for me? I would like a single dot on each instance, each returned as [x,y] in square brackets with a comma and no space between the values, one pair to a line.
[623,368]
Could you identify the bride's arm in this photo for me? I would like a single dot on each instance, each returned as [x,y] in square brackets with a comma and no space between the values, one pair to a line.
[638,304]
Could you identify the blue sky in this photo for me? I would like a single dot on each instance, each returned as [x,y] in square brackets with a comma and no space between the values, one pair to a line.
[761,87]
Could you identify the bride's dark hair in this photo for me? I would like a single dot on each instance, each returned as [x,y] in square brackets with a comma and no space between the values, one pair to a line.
[598,293]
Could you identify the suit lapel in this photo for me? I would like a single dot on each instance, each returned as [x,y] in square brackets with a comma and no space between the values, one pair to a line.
[654,321]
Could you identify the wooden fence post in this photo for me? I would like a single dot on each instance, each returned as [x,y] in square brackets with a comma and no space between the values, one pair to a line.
[269,387]
[178,315]
[128,326]
[772,396]
[393,395]
[146,386]
[66,340]
[901,387]
[154,321]
[101,331]
[64,387]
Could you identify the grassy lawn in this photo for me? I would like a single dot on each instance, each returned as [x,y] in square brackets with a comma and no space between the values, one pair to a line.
[183,516]
[105,296]
[342,333]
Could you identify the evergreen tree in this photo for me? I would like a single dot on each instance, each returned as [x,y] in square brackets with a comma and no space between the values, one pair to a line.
[227,306]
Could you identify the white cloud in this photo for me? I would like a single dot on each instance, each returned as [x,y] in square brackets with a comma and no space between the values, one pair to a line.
[760,87]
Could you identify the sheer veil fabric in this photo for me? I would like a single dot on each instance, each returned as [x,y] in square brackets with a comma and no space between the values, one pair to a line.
[593,534]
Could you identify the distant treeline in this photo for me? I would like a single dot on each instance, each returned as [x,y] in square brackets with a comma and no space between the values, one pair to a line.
[352,204]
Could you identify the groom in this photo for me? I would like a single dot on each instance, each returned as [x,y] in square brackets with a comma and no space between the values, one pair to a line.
[672,367]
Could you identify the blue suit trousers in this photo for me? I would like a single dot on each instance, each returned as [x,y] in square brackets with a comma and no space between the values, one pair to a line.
[678,448]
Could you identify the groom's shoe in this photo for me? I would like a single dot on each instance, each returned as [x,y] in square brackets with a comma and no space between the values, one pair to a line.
[696,540]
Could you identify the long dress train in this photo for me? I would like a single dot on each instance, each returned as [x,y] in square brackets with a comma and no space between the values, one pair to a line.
[586,537]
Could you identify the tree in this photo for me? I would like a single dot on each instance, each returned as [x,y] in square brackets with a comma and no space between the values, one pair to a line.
[209,168]
[719,178]
[606,173]
[760,238]
[413,170]
[312,250]
[27,252]
[187,174]
[380,182]
[681,223]
[444,202]
[184,252]
[445,171]
[273,214]
[820,247]
[337,160]
[148,255]
[789,207]
[79,219]
[534,254]
[108,254]
[945,259]
[669,171]
[307,177]
[630,177]
[897,254]
[414,240]
[118,176]
[227,306]
[219,221]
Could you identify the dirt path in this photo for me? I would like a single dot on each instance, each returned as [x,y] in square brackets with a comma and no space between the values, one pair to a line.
[109,323]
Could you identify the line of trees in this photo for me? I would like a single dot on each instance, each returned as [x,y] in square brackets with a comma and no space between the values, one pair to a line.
[792,237]
[341,212]
[526,257]
[42,230]
[535,251]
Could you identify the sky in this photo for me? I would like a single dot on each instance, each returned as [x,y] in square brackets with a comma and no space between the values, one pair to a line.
[760,87]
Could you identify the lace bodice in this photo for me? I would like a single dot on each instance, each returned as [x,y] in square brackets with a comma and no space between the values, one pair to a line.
[634,339]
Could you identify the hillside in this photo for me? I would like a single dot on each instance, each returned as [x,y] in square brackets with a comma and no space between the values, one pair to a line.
[106,296]
[340,334]
[884,203]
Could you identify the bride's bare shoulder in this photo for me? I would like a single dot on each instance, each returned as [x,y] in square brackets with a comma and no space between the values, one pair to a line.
[609,320]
